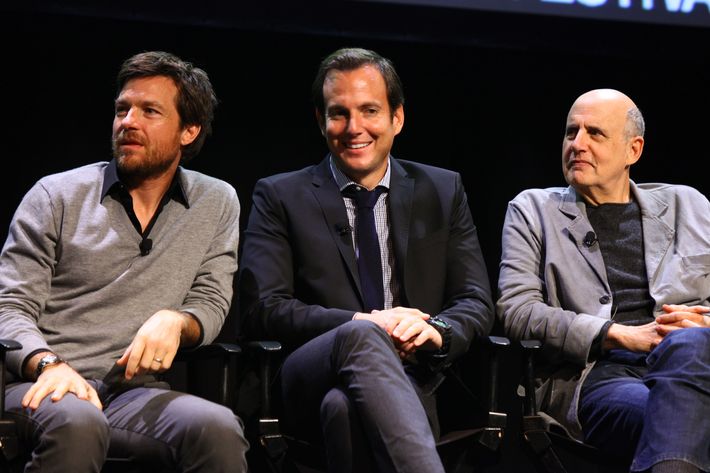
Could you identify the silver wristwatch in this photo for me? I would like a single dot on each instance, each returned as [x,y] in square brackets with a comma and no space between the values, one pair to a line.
[47,360]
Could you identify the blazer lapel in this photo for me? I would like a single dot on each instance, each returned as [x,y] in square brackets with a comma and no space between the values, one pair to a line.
[400,202]
[328,196]
[578,229]
[658,230]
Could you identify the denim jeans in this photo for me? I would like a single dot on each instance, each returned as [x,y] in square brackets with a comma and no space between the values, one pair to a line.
[652,407]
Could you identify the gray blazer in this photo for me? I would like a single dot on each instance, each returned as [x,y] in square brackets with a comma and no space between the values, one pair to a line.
[554,288]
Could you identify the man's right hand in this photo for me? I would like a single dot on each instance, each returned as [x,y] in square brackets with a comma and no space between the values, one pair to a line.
[58,380]
[640,338]
[407,327]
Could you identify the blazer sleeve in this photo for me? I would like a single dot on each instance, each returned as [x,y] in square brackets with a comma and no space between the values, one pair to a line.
[267,304]
[524,305]
[468,305]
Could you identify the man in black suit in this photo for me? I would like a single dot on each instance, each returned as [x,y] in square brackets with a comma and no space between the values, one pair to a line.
[368,323]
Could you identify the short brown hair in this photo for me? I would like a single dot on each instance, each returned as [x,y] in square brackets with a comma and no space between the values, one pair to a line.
[195,101]
[348,59]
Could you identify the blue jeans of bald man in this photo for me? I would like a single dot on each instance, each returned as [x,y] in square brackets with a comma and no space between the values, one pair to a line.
[348,387]
[661,410]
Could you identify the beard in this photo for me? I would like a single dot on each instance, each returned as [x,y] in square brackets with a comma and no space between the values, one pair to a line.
[145,163]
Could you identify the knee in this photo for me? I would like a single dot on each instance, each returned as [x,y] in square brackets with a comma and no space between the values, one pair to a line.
[695,341]
[360,333]
[217,430]
[80,416]
[335,405]
[77,425]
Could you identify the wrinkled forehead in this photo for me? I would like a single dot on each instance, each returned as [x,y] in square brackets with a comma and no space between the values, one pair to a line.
[605,112]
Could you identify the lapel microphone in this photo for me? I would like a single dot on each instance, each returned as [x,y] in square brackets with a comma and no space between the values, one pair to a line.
[145,246]
[590,239]
[342,229]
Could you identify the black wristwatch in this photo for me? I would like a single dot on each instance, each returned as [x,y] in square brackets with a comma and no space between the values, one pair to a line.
[444,330]
[47,360]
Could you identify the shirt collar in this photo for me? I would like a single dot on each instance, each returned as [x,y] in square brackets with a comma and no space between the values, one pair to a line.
[112,183]
[344,181]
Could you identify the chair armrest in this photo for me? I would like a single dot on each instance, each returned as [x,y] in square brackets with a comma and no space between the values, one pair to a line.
[212,350]
[9,345]
[530,347]
[196,361]
[493,345]
[5,346]
[265,351]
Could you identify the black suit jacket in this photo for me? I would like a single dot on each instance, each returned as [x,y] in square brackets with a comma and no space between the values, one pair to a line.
[298,273]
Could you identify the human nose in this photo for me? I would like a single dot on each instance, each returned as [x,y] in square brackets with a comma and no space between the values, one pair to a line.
[354,125]
[578,141]
[128,118]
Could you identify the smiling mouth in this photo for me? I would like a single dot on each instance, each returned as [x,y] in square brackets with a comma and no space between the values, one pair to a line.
[356,145]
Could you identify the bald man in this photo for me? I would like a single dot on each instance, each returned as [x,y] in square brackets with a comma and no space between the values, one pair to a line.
[611,275]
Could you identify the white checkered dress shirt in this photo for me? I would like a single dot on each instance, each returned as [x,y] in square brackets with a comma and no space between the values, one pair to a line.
[382,225]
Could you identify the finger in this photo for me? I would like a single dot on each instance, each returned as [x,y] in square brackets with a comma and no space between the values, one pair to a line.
[414,331]
[124,358]
[94,398]
[38,396]
[168,359]
[408,329]
[134,358]
[407,348]
[59,392]
[664,330]
[82,391]
[668,318]
[698,309]
[27,398]
[687,323]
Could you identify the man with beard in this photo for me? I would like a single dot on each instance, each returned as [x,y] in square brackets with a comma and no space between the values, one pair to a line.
[107,270]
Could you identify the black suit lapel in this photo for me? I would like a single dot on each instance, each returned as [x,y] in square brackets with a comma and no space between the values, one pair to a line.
[400,200]
[328,196]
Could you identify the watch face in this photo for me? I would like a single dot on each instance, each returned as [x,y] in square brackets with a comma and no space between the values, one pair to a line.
[49,359]
[438,323]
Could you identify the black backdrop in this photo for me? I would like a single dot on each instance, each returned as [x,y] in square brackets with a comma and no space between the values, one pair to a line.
[486,93]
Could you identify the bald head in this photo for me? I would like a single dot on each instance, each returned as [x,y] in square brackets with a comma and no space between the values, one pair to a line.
[603,139]
[617,104]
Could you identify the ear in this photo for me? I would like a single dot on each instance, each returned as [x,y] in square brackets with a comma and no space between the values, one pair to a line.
[189,134]
[398,119]
[635,150]
[321,122]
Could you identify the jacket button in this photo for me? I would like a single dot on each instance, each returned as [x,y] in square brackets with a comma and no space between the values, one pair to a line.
[604,299]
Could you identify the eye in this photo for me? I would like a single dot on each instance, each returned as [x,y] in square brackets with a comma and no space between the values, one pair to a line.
[336,114]
[371,111]
[151,111]
[121,111]
[571,132]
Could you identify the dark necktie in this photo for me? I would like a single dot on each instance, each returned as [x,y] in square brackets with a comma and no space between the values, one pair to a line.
[369,261]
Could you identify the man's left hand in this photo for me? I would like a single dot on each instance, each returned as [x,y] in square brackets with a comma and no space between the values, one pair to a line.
[681,316]
[155,345]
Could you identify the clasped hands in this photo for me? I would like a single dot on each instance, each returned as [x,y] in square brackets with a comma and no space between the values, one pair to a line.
[644,338]
[407,327]
[152,351]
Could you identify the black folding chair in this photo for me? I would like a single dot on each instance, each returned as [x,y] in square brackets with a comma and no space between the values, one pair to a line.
[8,435]
[553,450]
[461,449]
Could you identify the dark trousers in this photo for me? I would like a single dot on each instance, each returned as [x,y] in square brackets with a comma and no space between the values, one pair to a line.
[348,389]
[652,407]
[162,429]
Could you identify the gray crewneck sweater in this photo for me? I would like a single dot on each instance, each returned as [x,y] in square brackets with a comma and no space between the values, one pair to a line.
[72,278]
